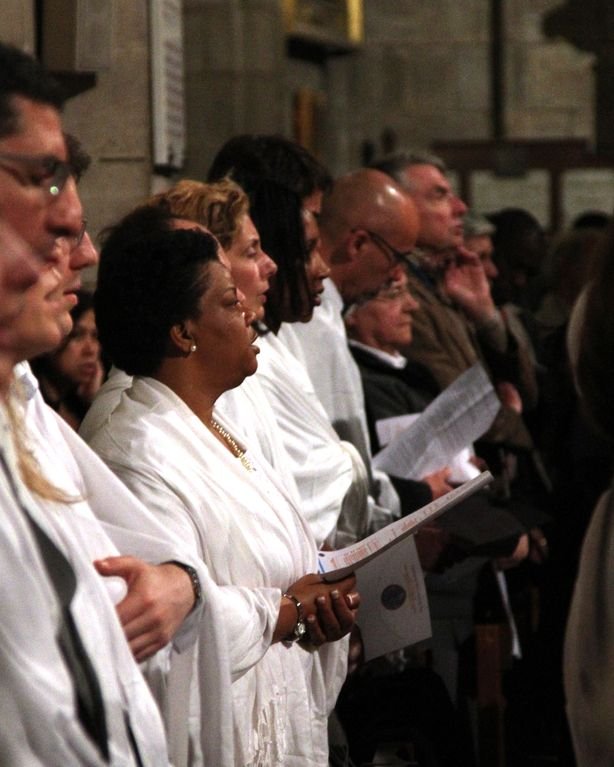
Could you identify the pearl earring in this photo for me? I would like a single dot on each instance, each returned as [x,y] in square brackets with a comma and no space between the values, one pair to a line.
[192,348]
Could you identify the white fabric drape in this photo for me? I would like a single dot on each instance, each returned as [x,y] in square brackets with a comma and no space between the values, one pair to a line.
[106,521]
[255,543]
[41,724]
[330,475]
[105,402]
[248,408]
[321,345]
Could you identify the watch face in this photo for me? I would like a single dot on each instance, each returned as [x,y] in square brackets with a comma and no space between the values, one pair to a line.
[300,630]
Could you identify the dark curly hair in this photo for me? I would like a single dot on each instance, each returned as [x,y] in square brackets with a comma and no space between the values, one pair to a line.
[150,278]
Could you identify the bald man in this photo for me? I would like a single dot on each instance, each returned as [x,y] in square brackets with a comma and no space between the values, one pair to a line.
[367,225]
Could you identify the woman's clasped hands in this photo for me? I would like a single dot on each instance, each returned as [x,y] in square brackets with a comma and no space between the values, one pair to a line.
[327,609]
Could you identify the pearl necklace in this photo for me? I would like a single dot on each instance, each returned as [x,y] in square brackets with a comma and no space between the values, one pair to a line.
[238,451]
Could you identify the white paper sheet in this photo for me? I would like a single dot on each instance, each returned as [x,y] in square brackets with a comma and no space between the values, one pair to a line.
[337,564]
[461,467]
[389,428]
[449,425]
[394,611]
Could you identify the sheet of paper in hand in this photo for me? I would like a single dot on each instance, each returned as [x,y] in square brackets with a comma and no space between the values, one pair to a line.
[419,445]
[394,610]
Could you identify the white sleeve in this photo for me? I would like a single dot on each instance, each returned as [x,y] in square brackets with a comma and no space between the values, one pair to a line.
[249,614]
[35,687]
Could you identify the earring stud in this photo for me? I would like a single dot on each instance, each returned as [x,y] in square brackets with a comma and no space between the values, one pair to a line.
[192,348]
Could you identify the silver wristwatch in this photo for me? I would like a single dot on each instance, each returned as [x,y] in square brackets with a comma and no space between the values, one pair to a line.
[300,629]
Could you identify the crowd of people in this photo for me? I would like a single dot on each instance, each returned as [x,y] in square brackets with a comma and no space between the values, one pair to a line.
[162,598]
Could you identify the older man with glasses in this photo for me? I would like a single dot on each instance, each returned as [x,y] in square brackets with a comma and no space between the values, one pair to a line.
[458,322]
[38,195]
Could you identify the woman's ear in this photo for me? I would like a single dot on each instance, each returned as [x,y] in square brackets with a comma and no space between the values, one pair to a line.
[181,338]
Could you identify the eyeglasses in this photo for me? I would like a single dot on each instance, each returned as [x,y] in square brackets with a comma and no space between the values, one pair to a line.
[387,249]
[393,292]
[77,239]
[44,171]
[390,291]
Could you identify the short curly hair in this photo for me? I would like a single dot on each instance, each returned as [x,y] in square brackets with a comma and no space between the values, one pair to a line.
[219,206]
[150,278]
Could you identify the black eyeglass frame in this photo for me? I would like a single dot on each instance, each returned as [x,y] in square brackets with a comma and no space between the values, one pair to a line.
[78,238]
[396,256]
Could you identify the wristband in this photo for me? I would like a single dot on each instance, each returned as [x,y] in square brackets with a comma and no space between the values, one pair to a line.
[300,628]
[194,579]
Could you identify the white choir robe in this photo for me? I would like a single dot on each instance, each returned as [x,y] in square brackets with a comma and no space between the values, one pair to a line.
[106,521]
[38,712]
[246,405]
[105,402]
[330,475]
[248,408]
[322,346]
[255,542]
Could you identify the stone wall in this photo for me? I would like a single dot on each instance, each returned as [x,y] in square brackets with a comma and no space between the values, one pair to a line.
[113,121]
[421,75]
[17,25]
[234,74]
[549,84]
[424,73]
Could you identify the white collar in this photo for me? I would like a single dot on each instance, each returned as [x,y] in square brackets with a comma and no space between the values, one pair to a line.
[22,372]
[395,360]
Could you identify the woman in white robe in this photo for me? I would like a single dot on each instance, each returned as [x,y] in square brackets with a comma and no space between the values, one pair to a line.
[74,530]
[104,520]
[285,185]
[329,473]
[277,405]
[223,208]
[89,515]
[40,725]
[169,313]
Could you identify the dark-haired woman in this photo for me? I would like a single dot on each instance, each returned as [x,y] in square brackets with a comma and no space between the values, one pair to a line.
[285,184]
[170,315]
[70,377]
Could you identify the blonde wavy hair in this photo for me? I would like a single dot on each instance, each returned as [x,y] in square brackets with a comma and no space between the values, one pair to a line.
[219,206]
[29,469]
